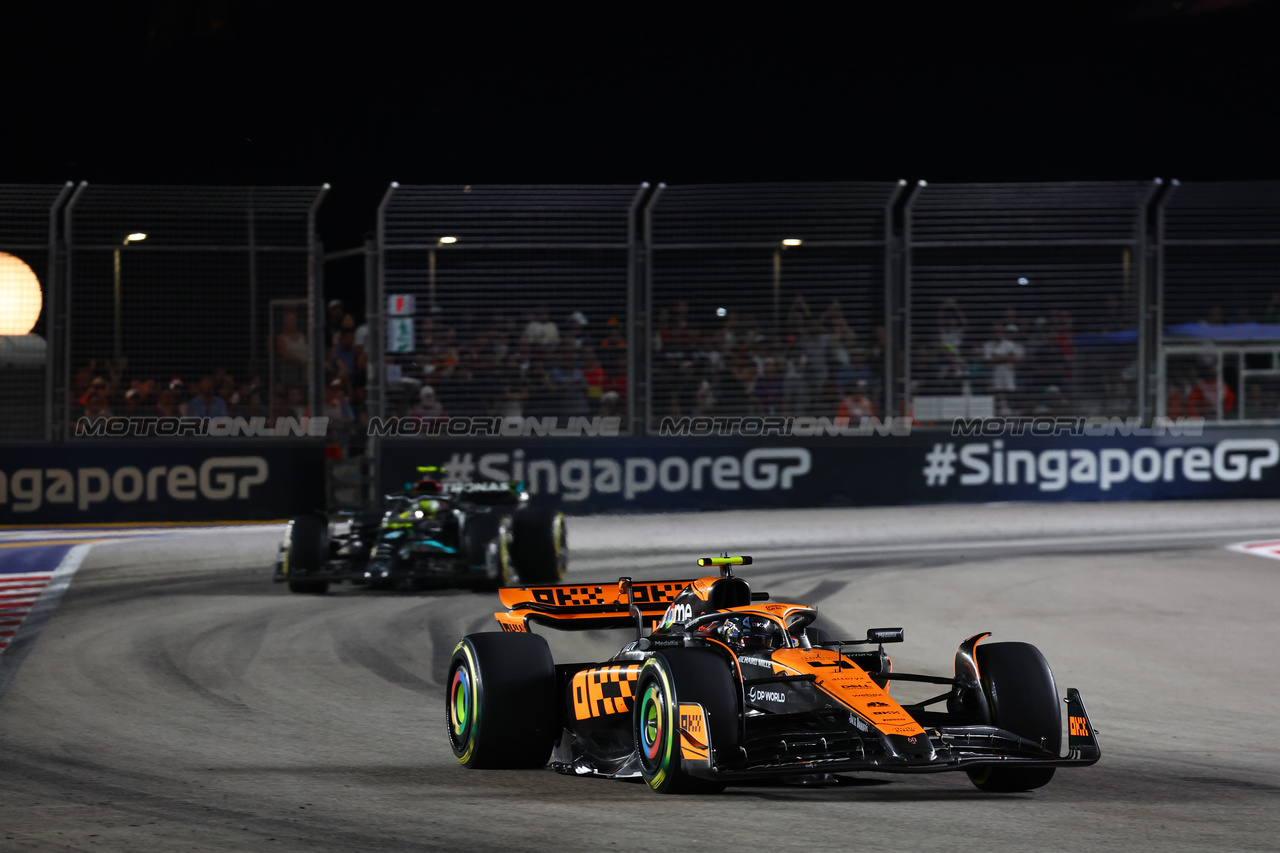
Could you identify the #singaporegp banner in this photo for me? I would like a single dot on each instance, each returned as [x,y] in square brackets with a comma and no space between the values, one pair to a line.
[658,474]
[132,483]
[246,480]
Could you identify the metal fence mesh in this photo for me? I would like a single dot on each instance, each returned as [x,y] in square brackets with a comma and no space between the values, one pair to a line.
[169,291]
[506,301]
[1220,305]
[27,252]
[784,299]
[768,300]
[1025,299]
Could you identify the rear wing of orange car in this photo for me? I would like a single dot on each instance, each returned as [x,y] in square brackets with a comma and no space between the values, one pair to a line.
[581,607]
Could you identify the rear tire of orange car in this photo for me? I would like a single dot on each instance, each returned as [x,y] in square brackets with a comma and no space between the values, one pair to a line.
[1024,700]
[667,679]
[500,702]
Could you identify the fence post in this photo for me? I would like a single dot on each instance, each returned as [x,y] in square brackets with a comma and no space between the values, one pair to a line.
[890,298]
[53,335]
[637,281]
[907,404]
[1162,377]
[375,372]
[68,252]
[316,305]
[1141,249]
[643,356]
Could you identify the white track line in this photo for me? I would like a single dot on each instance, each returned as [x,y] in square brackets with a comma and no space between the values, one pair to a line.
[37,614]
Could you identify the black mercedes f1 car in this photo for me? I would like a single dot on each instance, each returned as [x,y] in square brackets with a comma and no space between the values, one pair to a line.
[483,534]
[728,686]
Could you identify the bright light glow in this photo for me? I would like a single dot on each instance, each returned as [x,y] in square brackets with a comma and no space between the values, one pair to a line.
[135,237]
[792,241]
[20,297]
[448,239]
[1023,281]
[722,312]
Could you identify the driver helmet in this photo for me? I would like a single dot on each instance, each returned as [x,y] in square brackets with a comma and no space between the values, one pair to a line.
[753,632]
[427,486]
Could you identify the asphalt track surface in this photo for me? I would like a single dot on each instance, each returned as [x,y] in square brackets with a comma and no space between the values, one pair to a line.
[177,700]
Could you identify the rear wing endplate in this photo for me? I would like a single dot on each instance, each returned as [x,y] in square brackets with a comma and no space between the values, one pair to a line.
[579,606]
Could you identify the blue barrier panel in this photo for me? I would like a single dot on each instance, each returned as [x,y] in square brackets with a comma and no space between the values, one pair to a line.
[126,482]
[658,474]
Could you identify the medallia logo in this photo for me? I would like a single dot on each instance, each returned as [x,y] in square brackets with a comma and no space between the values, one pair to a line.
[760,469]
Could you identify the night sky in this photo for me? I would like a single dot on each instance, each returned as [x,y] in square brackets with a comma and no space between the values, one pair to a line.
[274,93]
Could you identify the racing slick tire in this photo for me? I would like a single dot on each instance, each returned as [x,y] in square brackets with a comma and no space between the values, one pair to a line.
[1024,700]
[486,542]
[307,549]
[539,545]
[500,707]
[667,679]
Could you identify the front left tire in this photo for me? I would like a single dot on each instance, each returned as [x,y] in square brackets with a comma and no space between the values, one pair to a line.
[1024,700]
[667,679]
[500,706]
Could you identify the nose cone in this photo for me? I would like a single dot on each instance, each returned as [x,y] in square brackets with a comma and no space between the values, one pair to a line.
[912,749]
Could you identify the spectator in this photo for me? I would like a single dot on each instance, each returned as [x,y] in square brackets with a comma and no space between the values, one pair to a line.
[429,408]
[95,400]
[768,389]
[594,375]
[292,350]
[171,403]
[578,329]
[855,405]
[515,388]
[610,404]
[1003,353]
[336,406]
[1202,402]
[952,325]
[95,394]
[206,404]
[333,321]
[568,386]
[295,405]
[540,331]
[736,387]
[345,349]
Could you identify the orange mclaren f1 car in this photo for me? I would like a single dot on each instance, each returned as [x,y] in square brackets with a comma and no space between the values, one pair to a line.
[729,686]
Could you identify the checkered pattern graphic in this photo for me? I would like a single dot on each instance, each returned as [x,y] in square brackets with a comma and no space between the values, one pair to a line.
[656,592]
[604,690]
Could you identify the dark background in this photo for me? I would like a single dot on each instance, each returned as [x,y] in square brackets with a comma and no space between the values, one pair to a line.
[217,92]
